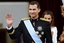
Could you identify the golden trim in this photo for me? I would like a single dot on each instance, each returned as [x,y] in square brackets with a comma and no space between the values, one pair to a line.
[25,18]
[11,32]
[44,19]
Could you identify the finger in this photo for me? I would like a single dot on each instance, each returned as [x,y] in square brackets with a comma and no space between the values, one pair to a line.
[8,15]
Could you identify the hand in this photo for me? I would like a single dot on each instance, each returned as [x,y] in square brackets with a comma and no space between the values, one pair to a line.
[9,20]
[62,37]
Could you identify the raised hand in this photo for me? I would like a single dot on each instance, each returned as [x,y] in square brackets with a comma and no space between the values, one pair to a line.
[9,19]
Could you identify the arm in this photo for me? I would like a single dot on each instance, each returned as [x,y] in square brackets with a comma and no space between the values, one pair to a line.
[54,37]
[62,37]
[15,33]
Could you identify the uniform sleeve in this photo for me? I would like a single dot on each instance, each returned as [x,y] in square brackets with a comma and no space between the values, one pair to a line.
[15,33]
[48,33]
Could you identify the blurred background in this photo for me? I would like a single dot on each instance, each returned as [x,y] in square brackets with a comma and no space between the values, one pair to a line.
[19,9]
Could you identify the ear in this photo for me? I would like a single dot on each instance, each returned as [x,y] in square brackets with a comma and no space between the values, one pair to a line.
[39,10]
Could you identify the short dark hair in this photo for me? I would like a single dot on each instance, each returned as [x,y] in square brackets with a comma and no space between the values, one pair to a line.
[34,2]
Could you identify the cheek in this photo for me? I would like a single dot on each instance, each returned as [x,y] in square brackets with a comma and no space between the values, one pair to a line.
[29,11]
[50,20]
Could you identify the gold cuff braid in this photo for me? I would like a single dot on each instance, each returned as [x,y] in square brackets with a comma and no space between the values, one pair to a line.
[11,32]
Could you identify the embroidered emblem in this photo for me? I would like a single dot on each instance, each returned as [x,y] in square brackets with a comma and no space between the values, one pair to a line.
[39,28]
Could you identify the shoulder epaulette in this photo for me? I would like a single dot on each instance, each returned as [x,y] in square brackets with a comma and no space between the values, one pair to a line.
[44,19]
[25,18]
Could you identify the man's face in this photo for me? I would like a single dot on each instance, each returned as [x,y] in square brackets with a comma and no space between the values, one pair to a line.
[33,11]
[62,11]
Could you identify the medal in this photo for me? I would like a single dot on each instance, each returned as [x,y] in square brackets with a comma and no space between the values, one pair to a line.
[40,36]
[42,33]
[37,32]
[39,28]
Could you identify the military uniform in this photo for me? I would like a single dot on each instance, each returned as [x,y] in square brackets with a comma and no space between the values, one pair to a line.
[41,27]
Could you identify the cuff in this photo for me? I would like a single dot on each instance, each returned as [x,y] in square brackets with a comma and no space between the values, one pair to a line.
[9,28]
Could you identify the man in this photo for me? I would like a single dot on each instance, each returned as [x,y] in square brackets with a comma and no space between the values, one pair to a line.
[62,8]
[34,29]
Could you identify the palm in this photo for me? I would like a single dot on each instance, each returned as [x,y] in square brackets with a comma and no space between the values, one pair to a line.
[9,19]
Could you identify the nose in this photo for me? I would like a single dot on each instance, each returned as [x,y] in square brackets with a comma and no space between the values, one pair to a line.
[32,11]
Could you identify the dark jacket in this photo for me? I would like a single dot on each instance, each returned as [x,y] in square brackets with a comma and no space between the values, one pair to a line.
[43,32]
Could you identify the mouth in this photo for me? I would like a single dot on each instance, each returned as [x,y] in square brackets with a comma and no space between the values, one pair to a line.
[32,13]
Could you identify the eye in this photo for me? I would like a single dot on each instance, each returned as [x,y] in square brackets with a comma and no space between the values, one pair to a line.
[45,18]
[34,9]
[30,9]
[48,18]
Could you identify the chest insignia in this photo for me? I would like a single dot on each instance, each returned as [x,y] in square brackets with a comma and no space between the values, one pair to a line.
[39,28]
[42,33]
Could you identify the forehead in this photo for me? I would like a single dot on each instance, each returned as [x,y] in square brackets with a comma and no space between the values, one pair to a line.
[33,6]
[47,16]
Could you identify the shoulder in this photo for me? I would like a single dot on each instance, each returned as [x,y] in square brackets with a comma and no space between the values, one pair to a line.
[22,21]
[43,19]
[25,19]
[54,28]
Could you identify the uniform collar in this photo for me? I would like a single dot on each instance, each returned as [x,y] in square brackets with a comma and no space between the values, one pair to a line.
[34,19]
